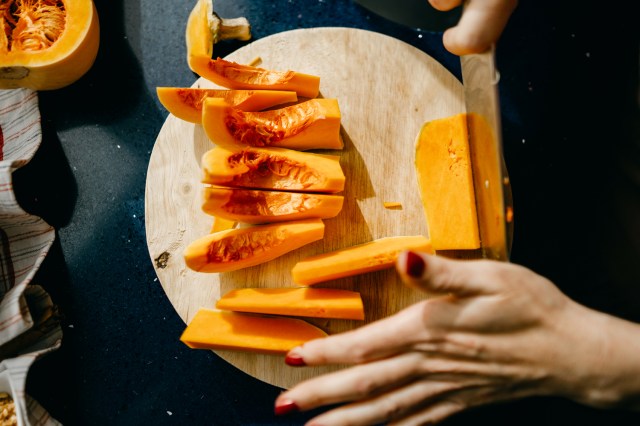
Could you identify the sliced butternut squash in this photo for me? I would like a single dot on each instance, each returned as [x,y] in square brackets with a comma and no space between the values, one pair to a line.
[46,45]
[237,76]
[304,302]
[186,102]
[257,206]
[359,259]
[273,168]
[217,330]
[239,248]
[445,179]
[313,124]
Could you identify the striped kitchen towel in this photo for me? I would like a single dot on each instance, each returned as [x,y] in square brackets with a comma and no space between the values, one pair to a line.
[29,324]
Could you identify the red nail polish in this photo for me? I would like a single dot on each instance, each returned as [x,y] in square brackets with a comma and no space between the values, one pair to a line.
[285,407]
[294,360]
[415,265]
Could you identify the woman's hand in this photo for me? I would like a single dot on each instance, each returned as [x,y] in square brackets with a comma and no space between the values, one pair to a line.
[480,25]
[491,332]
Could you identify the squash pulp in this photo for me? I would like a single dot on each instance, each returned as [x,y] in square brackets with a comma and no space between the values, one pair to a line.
[217,330]
[186,103]
[312,124]
[235,249]
[257,206]
[273,168]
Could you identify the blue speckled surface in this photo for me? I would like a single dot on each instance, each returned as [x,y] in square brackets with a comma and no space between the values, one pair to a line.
[566,98]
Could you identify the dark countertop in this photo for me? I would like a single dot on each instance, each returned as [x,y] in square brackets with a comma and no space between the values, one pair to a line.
[569,80]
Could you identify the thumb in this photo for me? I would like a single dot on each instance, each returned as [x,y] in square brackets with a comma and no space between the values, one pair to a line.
[461,278]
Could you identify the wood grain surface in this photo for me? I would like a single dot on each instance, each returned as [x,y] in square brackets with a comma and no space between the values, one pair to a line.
[386,90]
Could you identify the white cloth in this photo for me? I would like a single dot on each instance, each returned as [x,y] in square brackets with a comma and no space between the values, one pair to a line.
[29,325]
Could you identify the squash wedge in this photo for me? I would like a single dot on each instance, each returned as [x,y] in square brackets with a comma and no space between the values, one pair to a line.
[304,302]
[273,168]
[239,248]
[186,102]
[217,330]
[257,206]
[359,259]
[312,124]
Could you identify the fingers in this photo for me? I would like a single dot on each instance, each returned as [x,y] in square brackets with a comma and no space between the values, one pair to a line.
[372,341]
[480,25]
[440,275]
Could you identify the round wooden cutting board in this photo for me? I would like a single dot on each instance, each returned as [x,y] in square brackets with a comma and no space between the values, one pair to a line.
[386,90]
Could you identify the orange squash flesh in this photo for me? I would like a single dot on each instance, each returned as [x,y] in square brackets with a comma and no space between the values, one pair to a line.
[222,224]
[313,124]
[216,330]
[236,76]
[46,45]
[186,103]
[359,259]
[257,206]
[445,179]
[305,302]
[235,249]
[273,168]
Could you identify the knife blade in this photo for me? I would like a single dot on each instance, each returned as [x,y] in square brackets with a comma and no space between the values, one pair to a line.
[490,178]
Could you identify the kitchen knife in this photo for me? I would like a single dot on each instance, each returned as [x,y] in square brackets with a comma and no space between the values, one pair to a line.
[490,179]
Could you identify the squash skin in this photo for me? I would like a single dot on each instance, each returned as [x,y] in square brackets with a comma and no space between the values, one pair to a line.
[64,62]
[304,302]
[235,249]
[217,330]
[312,124]
[443,167]
[257,206]
[363,258]
[273,168]
[186,103]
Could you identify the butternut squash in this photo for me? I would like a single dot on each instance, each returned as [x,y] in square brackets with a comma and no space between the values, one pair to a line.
[46,44]
[304,302]
[239,248]
[313,124]
[359,259]
[222,224]
[443,167]
[257,206]
[217,330]
[186,102]
[273,168]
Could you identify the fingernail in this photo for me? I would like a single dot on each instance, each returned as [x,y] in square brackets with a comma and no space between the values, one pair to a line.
[415,265]
[294,360]
[285,407]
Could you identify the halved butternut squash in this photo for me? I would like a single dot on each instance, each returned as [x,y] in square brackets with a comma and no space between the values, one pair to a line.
[303,302]
[257,206]
[46,45]
[273,168]
[237,76]
[445,179]
[313,124]
[217,330]
[186,102]
[359,259]
[235,249]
